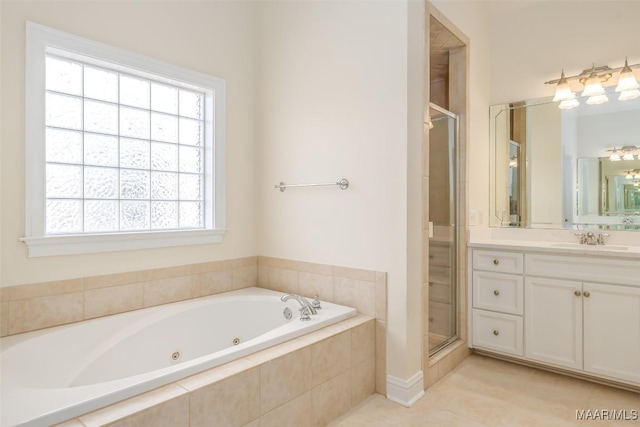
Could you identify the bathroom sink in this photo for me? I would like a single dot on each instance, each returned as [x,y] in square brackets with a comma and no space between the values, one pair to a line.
[589,247]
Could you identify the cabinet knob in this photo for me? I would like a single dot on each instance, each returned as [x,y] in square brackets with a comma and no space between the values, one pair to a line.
[496,262]
[496,332]
[496,292]
[430,319]
[587,294]
[577,293]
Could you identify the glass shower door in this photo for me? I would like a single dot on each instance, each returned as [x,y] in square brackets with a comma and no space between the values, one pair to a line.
[442,279]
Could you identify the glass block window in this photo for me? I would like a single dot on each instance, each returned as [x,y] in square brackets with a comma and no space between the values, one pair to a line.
[123,153]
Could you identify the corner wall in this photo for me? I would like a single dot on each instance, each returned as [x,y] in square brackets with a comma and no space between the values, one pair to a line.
[336,101]
[216,38]
[470,17]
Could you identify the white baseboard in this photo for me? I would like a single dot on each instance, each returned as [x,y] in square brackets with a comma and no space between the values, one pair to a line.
[405,392]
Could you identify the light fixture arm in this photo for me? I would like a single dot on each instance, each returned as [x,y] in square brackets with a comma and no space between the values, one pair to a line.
[604,72]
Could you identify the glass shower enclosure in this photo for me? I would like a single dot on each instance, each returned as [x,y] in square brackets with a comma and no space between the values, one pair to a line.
[443,229]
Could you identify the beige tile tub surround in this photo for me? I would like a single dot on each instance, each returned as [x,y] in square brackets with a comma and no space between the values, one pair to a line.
[41,305]
[366,290]
[306,382]
[363,289]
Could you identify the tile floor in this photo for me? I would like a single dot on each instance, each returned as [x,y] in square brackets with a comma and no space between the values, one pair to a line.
[484,392]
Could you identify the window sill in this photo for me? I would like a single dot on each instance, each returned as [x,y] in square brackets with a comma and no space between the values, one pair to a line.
[96,243]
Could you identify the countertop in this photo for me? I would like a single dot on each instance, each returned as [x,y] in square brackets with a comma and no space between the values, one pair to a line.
[563,248]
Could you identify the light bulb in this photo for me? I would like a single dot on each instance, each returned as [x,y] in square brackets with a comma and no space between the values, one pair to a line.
[597,99]
[563,90]
[629,176]
[568,104]
[629,94]
[614,157]
[593,85]
[627,156]
[627,81]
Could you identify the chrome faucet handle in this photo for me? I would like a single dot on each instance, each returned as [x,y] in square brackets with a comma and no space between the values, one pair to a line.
[304,313]
[301,300]
[582,237]
[601,238]
[316,302]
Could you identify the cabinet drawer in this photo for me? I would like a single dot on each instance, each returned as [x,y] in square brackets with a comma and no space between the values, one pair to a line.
[584,268]
[498,261]
[498,332]
[498,292]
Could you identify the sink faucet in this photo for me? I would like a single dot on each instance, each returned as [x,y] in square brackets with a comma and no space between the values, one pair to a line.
[591,239]
[305,305]
[601,238]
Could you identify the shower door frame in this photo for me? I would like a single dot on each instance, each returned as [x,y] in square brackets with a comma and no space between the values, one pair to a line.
[453,217]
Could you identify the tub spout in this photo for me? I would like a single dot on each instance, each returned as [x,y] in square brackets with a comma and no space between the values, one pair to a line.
[302,300]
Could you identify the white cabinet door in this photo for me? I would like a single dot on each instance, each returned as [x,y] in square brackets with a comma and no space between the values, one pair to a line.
[553,321]
[612,331]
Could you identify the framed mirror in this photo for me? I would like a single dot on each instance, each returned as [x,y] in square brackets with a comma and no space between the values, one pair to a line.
[555,168]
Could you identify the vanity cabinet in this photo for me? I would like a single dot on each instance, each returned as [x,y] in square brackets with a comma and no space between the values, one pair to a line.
[611,316]
[553,321]
[498,301]
[580,313]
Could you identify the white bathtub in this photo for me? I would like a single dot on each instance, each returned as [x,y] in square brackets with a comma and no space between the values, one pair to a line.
[56,374]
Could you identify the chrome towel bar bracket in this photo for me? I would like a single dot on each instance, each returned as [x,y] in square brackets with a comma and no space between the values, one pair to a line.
[343,184]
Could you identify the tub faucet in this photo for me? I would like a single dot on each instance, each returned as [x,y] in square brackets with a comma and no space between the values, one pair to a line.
[305,306]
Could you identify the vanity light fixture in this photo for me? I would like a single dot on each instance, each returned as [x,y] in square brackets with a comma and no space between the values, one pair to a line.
[627,83]
[615,157]
[632,174]
[592,80]
[628,152]
[565,95]
[593,88]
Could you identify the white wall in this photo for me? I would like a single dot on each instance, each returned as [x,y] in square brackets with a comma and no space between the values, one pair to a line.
[471,18]
[333,85]
[1,138]
[532,41]
[211,37]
